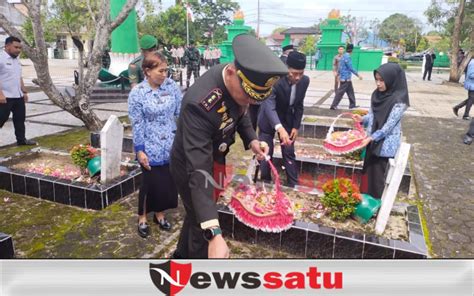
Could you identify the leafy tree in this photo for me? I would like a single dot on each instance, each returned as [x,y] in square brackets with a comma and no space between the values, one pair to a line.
[456,20]
[211,17]
[401,31]
[308,45]
[78,105]
[423,45]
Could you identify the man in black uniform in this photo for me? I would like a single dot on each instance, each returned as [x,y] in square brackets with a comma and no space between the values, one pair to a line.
[282,112]
[192,59]
[213,109]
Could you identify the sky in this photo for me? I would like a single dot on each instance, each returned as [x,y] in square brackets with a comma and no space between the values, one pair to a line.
[304,13]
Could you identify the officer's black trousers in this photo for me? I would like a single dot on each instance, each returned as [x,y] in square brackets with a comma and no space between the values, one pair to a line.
[17,107]
[289,160]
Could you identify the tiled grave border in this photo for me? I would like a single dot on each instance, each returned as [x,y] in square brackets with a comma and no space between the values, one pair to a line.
[83,195]
[309,240]
[317,166]
[7,250]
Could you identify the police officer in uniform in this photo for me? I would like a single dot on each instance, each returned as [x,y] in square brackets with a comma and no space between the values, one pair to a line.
[192,59]
[213,109]
[148,44]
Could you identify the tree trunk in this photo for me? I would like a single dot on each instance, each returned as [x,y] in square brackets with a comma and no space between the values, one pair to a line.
[454,75]
[79,105]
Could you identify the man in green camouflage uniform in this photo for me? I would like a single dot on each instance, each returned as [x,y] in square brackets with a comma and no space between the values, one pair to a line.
[192,59]
[148,44]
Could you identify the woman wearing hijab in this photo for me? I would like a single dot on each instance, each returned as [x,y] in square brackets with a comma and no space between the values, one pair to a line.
[388,103]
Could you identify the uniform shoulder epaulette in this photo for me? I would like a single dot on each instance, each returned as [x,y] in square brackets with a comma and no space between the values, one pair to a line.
[211,99]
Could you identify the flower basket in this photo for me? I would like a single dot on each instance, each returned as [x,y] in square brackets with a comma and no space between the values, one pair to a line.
[339,143]
[261,210]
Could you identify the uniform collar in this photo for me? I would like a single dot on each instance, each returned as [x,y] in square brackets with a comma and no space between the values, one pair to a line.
[8,56]
[146,86]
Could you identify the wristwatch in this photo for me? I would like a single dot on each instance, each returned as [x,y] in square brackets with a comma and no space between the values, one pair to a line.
[209,233]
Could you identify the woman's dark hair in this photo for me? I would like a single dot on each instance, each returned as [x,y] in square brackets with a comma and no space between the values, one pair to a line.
[153,60]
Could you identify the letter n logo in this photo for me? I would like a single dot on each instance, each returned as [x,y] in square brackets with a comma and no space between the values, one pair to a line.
[170,277]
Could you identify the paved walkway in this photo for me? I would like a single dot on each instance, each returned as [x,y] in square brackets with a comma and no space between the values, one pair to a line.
[443,166]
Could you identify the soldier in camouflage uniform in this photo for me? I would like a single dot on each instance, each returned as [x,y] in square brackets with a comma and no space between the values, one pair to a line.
[148,44]
[192,59]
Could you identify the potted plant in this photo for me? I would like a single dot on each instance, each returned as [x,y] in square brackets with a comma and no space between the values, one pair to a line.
[86,158]
[341,197]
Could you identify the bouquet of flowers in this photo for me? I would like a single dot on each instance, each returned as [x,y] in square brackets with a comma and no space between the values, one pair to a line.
[81,154]
[341,196]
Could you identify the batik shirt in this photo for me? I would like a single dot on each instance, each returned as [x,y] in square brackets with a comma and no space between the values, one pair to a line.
[345,67]
[391,131]
[153,116]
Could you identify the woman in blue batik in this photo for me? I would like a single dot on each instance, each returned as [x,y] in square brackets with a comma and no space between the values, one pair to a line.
[153,106]
[388,103]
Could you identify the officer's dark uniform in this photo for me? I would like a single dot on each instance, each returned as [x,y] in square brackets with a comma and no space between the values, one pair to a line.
[207,124]
[192,58]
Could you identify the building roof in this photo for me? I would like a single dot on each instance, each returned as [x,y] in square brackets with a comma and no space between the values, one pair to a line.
[300,31]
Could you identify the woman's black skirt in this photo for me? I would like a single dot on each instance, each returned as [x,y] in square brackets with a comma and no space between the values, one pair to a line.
[158,191]
[376,169]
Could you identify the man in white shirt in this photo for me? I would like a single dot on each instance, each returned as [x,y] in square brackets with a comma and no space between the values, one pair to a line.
[13,94]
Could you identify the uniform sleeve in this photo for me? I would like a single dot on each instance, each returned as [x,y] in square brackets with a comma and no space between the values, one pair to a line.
[135,113]
[197,142]
[246,131]
[133,73]
[393,119]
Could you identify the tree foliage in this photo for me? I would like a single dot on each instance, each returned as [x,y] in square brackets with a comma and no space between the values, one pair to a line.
[168,26]
[308,45]
[401,31]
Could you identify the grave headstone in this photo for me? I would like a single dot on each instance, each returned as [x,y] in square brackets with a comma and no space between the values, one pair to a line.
[111,138]
[393,180]
[6,246]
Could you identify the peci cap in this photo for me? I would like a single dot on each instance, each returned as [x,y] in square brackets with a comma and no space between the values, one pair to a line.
[296,60]
[257,66]
[349,47]
[148,42]
[287,47]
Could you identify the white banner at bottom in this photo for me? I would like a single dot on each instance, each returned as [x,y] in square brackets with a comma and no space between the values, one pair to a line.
[237,277]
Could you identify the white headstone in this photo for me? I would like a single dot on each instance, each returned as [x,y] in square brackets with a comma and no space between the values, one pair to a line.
[111,138]
[392,183]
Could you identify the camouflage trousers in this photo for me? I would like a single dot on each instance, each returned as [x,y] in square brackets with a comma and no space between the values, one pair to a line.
[194,69]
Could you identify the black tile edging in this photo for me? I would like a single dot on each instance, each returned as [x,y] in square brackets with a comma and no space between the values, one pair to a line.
[393,249]
[18,182]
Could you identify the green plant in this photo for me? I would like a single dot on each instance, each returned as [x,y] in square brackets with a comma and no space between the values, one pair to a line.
[340,198]
[393,60]
[81,154]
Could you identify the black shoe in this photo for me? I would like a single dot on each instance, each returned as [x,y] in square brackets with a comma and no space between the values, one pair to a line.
[164,224]
[176,255]
[455,111]
[353,107]
[429,79]
[333,108]
[143,229]
[467,140]
[27,143]
[466,117]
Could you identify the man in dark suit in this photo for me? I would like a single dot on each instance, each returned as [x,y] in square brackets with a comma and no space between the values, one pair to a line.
[282,112]
[429,61]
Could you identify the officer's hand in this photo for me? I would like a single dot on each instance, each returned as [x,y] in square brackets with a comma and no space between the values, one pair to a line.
[25,97]
[293,134]
[143,160]
[3,99]
[284,137]
[260,149]
[217,248]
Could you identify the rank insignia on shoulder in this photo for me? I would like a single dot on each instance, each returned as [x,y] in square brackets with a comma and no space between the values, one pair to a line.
[211,99]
